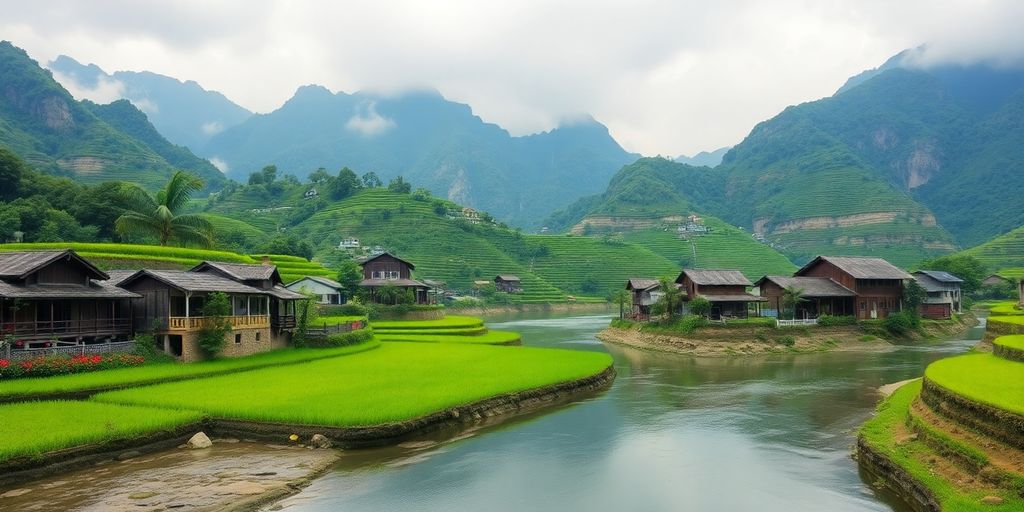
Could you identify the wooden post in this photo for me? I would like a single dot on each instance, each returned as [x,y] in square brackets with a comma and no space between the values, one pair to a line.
[188,298]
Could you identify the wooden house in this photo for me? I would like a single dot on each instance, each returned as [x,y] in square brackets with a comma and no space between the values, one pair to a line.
[171,307]
[877,283]
[508,283]
[821,296]
[384,270]
[644,294]
[51,299]
[944,296]
[994,280]
[726,290]
[327,291]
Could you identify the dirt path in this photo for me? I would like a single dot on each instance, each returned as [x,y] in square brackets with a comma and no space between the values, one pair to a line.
[228,476]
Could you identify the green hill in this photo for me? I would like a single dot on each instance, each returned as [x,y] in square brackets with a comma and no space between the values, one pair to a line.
[1003,254]
[43,124]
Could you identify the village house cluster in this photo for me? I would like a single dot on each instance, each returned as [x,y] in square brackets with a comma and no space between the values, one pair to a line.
[862,287]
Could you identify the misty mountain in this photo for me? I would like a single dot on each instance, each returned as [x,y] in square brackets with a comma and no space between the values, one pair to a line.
[43,124]
[432,142]
[183,112]
[901,162]
[704,158]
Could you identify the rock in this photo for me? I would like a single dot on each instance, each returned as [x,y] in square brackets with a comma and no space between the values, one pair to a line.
[227,440]
[992,500]
[455,413]
[128,455]
[14,493]
[200,440]
[320,442]
[242,488]
[142,495]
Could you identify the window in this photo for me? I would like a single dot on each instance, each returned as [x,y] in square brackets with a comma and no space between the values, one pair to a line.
[257,335]
[393,274]
[378,274]
[238,339]
[863,306]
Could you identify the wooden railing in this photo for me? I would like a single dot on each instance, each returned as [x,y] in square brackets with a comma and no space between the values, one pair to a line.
[327,330]
[799,321]
[283,321]
[194,323]
[51,329]
[68,350]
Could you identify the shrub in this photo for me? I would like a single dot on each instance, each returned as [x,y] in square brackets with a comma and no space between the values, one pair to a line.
[836,321]
[343,339]
[700,306]
[900,323]
[211,336]
[788,341]
[350,309]
[62,365]
[761,334]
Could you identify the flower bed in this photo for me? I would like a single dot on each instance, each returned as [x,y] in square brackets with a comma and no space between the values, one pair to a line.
[59,365]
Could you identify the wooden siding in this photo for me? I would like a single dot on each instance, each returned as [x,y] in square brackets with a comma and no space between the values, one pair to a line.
[386,263]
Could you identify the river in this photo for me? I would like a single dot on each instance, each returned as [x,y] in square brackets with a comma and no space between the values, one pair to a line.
[769,433]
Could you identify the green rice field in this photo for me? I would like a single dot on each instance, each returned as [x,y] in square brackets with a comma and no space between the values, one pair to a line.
[491,337]
[982,378]
[398,381]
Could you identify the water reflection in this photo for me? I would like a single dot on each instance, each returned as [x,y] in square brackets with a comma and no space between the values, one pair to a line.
[674,433]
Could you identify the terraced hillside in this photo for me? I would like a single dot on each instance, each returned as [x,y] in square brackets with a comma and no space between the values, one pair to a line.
[131,256]
[593,265]
[1002,253]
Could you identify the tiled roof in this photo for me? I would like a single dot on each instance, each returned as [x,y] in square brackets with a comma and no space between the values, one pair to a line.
[507,277]
[737,297]
[283,293]
[95,290]
[16,265]
[400,283]
[194,281]
[715,277]
[240,271]
[812,286]
[118,275]
[641,283]
[381,255]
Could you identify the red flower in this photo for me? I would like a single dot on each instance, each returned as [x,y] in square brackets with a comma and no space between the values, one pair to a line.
[97,359]
[26,365]
[4,363]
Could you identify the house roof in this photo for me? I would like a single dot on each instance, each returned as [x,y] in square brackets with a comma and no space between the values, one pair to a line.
[317,279]
[641,283]
[193,281]
[283,293]
[860,267]
[715,277]
[96,289]
[732,297]
[506,277]
[940,276]
[400,283]
[381,255]
[812,286]
[118,275]
[18,265]
[240,271]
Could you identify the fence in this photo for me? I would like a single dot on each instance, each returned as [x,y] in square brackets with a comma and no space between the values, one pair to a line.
[68,349]
[327,330]
[799,321]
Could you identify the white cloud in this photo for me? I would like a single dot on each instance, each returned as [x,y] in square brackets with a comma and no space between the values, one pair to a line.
[212,128]
[221,165]
[368,122]
[666,76]
[146,105]
[106,90]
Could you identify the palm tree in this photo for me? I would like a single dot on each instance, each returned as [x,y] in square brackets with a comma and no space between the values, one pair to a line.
[158,216]
[792,296]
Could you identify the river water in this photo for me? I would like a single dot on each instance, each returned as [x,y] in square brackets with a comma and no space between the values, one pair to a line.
[769,433]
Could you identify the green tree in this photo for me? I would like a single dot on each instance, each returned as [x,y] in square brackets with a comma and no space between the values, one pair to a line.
[269,174]
[350,274]
[913,296]
[159,216]
[670,296]
[319,176]
[388,294]
[216,325]
[621,297]
[371,180]
[12,170]
[700,306]
[399,185]
[346,184]
[791,297]
[287,244]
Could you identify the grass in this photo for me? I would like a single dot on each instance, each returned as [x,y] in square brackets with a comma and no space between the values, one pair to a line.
[982,378]
[147,374]
[340,319]
[490,337]
[1013,341]
[882,432]
[453,331]
[448,322]
[1008,319]
[33,428]
[399,381]
[1006,308]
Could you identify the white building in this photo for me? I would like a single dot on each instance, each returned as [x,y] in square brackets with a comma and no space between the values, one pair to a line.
[328,291]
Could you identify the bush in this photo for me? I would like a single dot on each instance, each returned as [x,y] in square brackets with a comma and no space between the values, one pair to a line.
[686,324]
[350,309]
[622,323]
[63,365]
[836,321]
[343,339]
[211,337]
[901,323]
[761,334]
[700,306]
[788,341]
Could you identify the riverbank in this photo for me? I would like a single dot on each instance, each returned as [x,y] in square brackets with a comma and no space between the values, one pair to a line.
[558,308]
[740,340]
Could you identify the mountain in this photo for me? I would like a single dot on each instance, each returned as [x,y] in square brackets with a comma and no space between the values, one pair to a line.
[183,112]
[43,124]
[428,140]
[704,158]
[905,162]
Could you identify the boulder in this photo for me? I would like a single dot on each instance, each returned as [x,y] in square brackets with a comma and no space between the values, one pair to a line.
[200,440]
[320,442]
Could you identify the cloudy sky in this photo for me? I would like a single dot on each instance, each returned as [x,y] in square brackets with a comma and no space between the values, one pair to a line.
[668,77]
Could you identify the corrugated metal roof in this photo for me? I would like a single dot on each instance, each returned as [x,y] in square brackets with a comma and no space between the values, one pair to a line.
[506,277]
[641,283]
[715,277]
[938,275]
[862,267]
[812,286]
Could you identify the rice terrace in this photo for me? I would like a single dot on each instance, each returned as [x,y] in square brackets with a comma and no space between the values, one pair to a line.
[319,256]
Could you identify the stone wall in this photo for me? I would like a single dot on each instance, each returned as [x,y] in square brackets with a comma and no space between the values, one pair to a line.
[252,341]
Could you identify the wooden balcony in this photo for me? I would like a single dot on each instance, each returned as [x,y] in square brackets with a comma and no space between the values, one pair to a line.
[57,329]
[283,321]
[194,323]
